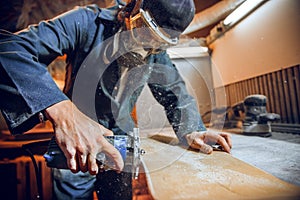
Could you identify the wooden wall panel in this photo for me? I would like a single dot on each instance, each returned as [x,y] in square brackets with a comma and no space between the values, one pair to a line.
[282,88]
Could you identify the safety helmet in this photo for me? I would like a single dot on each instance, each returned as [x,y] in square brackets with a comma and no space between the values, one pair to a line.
[158,21]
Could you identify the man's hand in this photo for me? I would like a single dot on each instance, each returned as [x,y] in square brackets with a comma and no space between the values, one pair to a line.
[203,140]
[81,138]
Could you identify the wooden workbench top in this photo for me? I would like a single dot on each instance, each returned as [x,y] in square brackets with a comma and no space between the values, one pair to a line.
[174,172]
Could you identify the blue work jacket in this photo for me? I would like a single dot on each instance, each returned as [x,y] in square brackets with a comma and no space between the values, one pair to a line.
[27,88]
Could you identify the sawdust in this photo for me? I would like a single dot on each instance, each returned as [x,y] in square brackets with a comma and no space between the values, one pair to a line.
[177,173]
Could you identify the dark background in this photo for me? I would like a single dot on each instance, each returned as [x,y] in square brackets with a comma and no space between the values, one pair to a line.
[18,14]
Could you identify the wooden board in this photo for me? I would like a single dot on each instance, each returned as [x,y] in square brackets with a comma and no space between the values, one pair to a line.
[172,172]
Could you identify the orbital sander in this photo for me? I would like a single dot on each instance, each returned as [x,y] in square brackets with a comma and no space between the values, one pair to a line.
[257,120]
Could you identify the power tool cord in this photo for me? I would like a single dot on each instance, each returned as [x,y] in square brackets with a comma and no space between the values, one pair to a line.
[37,173]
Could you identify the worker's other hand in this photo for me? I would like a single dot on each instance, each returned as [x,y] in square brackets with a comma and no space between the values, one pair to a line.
[81,138]
[204,140]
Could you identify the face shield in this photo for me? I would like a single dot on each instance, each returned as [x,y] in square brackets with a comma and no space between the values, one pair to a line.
[146,32]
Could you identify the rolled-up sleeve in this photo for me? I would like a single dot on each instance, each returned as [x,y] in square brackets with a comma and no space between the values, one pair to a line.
[26,86]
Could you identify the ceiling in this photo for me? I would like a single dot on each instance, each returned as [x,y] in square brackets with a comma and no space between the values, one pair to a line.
[18,14]
[200,6]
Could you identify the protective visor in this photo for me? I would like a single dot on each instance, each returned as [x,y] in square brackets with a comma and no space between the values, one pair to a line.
[145,31]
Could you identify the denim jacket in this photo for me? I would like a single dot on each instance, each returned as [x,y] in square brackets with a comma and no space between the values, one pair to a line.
[27,88]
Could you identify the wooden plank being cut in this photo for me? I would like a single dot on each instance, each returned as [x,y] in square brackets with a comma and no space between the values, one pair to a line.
[174,172]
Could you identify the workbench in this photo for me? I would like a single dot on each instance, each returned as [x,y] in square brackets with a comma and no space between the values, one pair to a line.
[175,172]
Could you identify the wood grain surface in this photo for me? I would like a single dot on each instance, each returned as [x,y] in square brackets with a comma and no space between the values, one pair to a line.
[173,172]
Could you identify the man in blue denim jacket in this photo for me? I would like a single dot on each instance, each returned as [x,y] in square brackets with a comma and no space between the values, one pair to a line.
[111,53]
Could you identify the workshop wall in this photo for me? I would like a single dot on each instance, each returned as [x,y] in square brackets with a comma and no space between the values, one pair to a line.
[261,54]
[282,88]
[265,41]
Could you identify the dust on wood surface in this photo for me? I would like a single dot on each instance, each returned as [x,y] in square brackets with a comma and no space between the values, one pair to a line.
[174,172]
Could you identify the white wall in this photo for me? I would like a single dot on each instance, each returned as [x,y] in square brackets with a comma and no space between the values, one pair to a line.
[267,40]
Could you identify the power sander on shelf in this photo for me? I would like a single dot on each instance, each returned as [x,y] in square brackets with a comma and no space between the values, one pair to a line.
[257,120]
